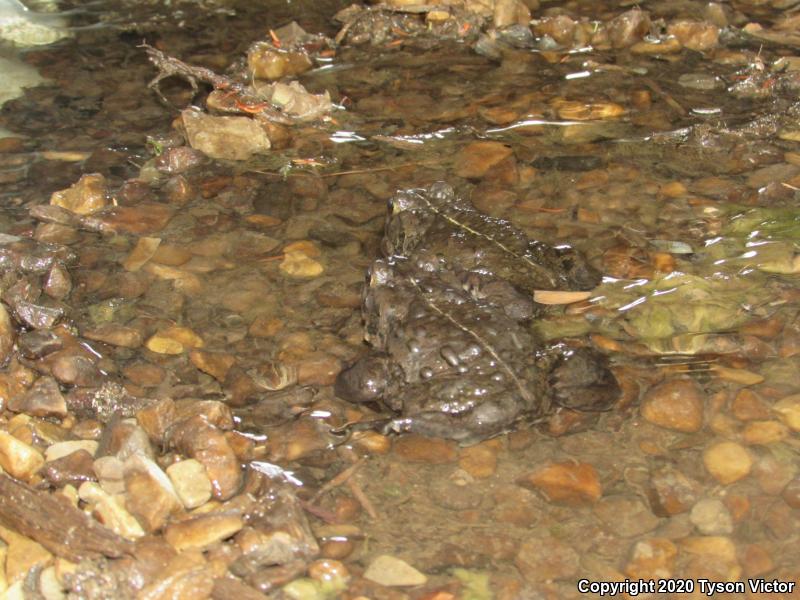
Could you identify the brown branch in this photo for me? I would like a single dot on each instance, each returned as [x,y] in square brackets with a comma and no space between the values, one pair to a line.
[57,525]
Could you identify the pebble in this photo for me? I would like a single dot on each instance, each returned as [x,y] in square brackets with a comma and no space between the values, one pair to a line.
[476,159]
[587,111]
[711,517]
[480,460]
[727,461]
[72,469]
[788,410]
[300,265]
[191,482]
[109,511]
[43,399]
[19,459]
[156,418]
[86,197]
[198,439]
[149,495]
[7,334]
[671,492]
[391,571]
[115,335]
[415,448]
[62,449]
[142,219]
[216,364]
[109,471]
[630,27]
[174,340]
[570,483]
[695,35]
[142,252]
[228,138]
[675,404]
[625,515]
[748,405]
[544,558]
[653,558]
[21,555]
[201,532]
[264,61]
[714,554]
[764,433]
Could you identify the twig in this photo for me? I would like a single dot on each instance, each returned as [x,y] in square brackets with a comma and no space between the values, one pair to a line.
[338,480]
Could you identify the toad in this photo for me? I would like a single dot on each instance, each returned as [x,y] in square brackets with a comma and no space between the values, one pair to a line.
[448,310]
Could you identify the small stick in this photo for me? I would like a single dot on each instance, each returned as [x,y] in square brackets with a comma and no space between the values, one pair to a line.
[359,494]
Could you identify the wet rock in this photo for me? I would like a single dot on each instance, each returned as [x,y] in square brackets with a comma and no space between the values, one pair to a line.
[109,511]
[62,449]
[109,471]
[695,35]
[17,458]
[265,61]
[414,448]
[178,160]
[748,405]
[626,516]
[391,571]
[568,483]
[86,197]
[791,493]
[671,492]
[198,439]
[190,482]
[727,461]
[7,334]
[628,28]
[141,219]
[454,494]
[73,468]
[214,412]
[36,344]
[201,532]
[299,264]
[21,555]
[480,460]
[764,433]
[586,111]
[294,100]
[125,438]
[713,554]
[653,558]
[711,517]
[149,495]
[115,335]
[58,283]
[174,340]
[477,159]
[188,576]
[157,418]
[71,366]
[216,364]
[675,404]
[510,12]
[228,138]
[143,251]
[788,410]
[43,399]
[544,558]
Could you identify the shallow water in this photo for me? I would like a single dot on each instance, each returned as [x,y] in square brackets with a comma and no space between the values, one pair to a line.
[686,201]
